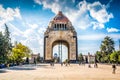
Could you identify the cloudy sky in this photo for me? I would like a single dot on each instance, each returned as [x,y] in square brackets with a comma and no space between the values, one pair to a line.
[92,19]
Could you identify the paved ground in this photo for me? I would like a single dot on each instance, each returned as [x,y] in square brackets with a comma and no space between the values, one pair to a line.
[72,72]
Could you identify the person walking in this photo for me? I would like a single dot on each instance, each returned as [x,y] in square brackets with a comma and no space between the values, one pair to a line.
[114,68]
[35,61]
[89,66]
[95,65]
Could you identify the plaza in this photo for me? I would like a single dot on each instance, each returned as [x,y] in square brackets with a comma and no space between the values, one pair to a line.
[58,72]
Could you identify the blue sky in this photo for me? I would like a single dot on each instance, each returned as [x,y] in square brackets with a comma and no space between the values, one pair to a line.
[92,19]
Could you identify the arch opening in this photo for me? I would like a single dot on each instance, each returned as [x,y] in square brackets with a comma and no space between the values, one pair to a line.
[60,51]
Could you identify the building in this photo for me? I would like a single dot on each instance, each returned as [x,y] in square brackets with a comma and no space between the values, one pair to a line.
[89,58]
[60,32]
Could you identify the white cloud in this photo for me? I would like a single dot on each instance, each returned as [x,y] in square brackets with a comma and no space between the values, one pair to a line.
[17,13]
[98,36]
[54,6]
[41,30]
[37,1]
[99,12]
[34,38]
[91,37]
[2,29]
[112,30]
[31,37]
[97,25]
[84,15]
[8,14]
[14,30]
[33,26]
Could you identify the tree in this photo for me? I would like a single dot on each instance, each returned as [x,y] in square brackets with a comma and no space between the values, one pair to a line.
[38,57]
[17,55]
[98,56]
[106,48]
[8,44]
[5,45]
[80,58]
[115,57]
[19,52]
[1,48]
[118,52]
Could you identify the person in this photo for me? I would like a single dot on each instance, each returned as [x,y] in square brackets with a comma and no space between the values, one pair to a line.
[95,65]
[52,62]
[89,66]
[35,61]
[69,62]
[66,62]
[114,68]
[8,65]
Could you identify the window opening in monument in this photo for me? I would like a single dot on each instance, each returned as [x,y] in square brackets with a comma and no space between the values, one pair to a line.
[60,27]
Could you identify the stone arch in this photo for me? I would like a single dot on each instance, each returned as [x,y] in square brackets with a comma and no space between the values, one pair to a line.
[67,35]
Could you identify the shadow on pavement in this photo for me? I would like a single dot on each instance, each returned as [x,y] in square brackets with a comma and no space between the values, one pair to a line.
[3,71]
[47,66]
[41,65]
[20,68]
[25,67]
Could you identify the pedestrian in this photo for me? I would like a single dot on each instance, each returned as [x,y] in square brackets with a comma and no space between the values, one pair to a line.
[89,66]
[114,68]
[69,62]
[95,65]
[8,65]
[35,61]
[52,62]
[66,62]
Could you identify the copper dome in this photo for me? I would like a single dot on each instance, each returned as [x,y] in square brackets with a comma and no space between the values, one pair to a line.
[60,18]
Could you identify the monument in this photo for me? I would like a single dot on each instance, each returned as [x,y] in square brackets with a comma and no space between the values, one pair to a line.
[60,31]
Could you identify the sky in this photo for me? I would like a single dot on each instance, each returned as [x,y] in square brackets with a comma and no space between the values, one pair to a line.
[92,19]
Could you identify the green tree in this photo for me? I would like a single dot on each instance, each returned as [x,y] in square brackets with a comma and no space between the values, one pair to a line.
[2,41]
[118,52]
[80,58]
[98,56]
[106,48]
[5,45]
[107,45]
[115,57]
[38,57]
[106,58]
[19,52]
[7,42]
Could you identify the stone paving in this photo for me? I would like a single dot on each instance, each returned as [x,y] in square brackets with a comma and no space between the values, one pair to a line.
[58,72]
